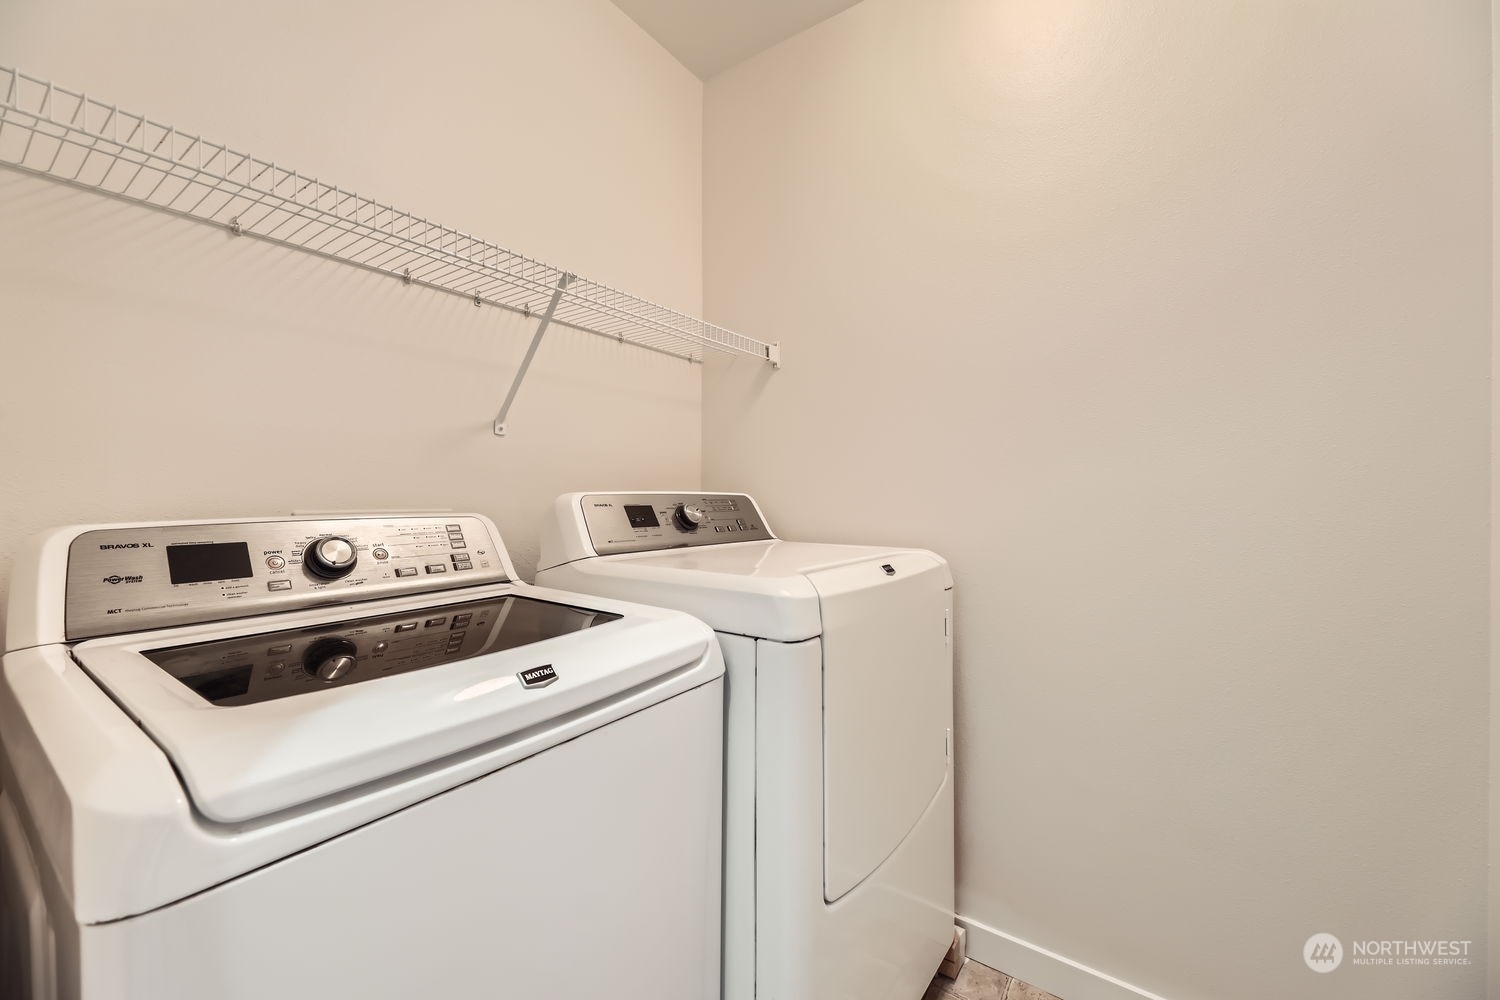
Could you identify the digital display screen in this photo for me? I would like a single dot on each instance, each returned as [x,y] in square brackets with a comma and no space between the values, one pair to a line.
[209,561]
[221,685]
[641,516]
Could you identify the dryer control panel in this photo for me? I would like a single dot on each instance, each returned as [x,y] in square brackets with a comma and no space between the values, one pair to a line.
[641,522]
[131,579]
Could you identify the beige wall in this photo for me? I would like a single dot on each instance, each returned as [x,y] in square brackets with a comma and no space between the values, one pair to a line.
[1169,325]
[156,368]
[1493,943]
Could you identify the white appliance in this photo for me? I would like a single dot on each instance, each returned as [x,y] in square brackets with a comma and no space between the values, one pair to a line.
[349,758]
[839,761]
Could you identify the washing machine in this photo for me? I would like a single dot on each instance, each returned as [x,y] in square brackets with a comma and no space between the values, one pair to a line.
[839,732]
[319,758]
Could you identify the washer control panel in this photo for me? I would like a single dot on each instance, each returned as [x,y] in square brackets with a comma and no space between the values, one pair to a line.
[641,522]
[135,579]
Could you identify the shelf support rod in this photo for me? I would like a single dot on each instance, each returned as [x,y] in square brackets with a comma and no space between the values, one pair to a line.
[563,281]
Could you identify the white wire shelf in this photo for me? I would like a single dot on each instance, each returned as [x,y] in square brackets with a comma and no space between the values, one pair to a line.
[80,140]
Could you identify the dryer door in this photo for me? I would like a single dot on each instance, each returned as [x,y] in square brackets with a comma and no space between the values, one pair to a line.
[887,706]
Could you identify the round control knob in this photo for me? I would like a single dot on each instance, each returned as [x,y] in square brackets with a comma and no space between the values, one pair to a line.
[330,557]
[688,517]
[329,659]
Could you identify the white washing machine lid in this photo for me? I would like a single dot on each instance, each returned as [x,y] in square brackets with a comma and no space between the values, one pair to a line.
[248,761]
[759,589]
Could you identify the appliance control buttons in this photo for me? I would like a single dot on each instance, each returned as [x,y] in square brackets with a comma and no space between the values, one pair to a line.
[330,557]
[380,647]
[275,670]
[380,553]
[330,659]
[688,516]
[407,627]
[279,585]
[336,669]
[276,562]
[279,650]
[459,543]
[437,568]
[435,622]
[406,571]
[455,527]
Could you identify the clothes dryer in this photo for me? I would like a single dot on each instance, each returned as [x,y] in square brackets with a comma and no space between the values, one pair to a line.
[839,731]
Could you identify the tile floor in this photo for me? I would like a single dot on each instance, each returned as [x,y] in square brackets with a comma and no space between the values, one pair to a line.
[980,982]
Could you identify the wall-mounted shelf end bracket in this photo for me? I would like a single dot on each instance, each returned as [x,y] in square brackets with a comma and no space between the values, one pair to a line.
[773,354]
[563,281]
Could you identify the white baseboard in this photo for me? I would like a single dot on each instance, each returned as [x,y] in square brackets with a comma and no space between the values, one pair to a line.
[1045,969]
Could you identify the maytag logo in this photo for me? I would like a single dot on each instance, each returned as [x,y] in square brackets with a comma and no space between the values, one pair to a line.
[117,578]
[538,677]
[124,545]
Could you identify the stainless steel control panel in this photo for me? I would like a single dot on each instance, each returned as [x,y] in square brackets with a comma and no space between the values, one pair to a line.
[640,522]
[134,579]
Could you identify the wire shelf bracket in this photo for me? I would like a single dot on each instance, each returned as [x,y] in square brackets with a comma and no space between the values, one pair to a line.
[81,141]
[536,340]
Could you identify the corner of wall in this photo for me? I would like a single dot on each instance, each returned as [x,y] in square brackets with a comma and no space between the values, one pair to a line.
[1492,953]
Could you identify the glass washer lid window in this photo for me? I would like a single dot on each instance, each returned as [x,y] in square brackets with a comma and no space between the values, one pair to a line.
[270,665]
